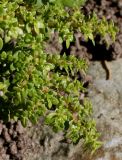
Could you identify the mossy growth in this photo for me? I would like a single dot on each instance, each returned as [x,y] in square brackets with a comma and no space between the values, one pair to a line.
[34,83]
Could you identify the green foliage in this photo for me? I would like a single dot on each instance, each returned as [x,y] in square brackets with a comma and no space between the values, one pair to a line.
[34,83]
[66,3]
[1,43]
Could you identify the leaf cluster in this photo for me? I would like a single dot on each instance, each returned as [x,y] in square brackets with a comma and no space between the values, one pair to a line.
[65,3]
[34,83]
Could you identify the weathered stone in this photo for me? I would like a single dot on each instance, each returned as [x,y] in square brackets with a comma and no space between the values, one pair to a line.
[106,96]
[13,148]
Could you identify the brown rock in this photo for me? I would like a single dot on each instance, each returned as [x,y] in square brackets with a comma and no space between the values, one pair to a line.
[10,131]
[13,148]
[14,135]
[6,135]
[1,142]
[20,144]
[19,128]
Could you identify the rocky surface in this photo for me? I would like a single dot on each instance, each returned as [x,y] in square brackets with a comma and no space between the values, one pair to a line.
[106,96]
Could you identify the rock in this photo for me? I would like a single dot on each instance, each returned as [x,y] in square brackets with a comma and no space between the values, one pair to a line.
[5,157]
[6,135]
[10,131]
[20,143]
[19,128]
[106,97]
[13,148]
[1,142]
[120,4]
[14,134]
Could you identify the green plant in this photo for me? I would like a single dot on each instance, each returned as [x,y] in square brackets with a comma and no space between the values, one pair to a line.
[34,83]
[65,3]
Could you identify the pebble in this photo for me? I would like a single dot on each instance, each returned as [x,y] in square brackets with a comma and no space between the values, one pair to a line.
[19,128]
[6,135]
[13,148]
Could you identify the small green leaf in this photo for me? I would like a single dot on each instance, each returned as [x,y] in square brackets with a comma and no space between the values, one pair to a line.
[34,119]
[3,55]
[2,86]
[1,43]
[12,68]
[7,39]
[28,28]
[49,103]
[67,43]
[1,11]
[24,121]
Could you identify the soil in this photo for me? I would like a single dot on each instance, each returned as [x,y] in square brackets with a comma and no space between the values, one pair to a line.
[112,10]
[16,142]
